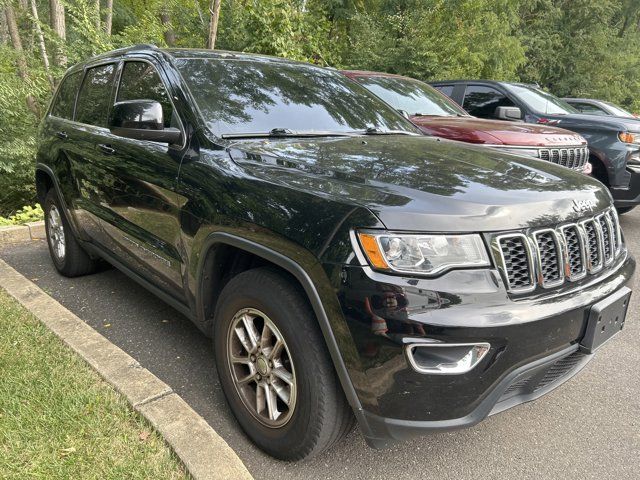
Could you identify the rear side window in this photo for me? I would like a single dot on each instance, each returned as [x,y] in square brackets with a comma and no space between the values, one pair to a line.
[588,108]
[140,81]
[481,101]
[95,96]
[446,89]
[66,98]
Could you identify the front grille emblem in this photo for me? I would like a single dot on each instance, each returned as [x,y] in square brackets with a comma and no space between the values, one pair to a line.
[583,205]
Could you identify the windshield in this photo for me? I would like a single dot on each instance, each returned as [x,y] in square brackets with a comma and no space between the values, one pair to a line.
[238,96]
[541,101]
[411,96]
[617,111]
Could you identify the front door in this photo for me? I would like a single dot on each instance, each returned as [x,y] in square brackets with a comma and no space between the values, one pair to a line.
[143,226]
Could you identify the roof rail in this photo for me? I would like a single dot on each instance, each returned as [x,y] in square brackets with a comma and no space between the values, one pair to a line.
[143,45]
[138,46]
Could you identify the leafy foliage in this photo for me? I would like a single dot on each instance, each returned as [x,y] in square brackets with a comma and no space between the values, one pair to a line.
[24,215]
[585,48]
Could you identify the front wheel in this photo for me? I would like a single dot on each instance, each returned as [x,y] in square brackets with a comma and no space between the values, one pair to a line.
[274,367]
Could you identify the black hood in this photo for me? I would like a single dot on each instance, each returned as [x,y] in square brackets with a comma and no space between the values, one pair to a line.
[425,184]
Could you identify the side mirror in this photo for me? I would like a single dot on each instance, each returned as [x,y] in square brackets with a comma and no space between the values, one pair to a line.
[508,113]
[141,120]
[404,113]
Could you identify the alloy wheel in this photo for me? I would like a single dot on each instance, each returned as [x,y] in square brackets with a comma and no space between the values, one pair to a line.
[56,233]
[261,367]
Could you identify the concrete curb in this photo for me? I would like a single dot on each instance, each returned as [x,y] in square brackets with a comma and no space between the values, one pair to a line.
[22,233]
[204,453]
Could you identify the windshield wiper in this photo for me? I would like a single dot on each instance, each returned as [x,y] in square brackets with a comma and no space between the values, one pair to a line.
[447,114]
[285,133]
[377,131]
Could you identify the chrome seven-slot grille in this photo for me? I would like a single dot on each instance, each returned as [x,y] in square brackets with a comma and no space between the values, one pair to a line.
[572,157]
[549,257]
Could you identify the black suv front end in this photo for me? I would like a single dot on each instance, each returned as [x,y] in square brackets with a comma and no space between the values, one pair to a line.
[341,261]
[444,353]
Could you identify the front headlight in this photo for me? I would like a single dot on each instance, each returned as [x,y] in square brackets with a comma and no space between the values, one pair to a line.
[529,152]
[628,137]
[424,254]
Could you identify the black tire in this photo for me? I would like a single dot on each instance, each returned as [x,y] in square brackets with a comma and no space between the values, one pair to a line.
[623,210]
[74,261]
[321,416]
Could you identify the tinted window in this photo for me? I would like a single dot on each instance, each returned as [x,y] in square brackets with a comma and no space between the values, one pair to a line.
[66,97]
[242,96]
[588,108]
[540,101]
[140,81]
[481,101]
[95,96]
[412,96]
[617,111]
[446,89]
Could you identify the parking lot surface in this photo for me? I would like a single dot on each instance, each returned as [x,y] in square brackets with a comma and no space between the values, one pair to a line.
[588,428]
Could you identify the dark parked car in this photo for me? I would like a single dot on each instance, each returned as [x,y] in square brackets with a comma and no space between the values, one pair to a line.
[346,266]
[436,114]
[614,143]
[598,107]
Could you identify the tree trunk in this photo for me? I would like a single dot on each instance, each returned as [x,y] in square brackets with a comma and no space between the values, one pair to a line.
[97,9]
[21,63]
[109,18]
[42,45]
[56,15]
[24,24]
[165,18]
[213,25]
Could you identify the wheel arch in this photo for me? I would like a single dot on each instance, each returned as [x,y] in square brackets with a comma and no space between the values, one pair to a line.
[46,178]
[600,170]
[210,282]
[44,182]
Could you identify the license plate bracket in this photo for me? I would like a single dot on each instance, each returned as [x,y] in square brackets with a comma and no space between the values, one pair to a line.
[606,318]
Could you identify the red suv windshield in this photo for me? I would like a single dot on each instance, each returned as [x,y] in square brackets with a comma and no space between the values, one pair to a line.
[411,96]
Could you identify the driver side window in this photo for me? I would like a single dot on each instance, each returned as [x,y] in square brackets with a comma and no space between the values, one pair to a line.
[140,81]
[481,101]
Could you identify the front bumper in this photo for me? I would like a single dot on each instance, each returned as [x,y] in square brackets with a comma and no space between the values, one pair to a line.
[629,195]
[534,339]
[522,385]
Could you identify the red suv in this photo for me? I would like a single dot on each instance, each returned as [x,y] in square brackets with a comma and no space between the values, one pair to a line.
[437,115]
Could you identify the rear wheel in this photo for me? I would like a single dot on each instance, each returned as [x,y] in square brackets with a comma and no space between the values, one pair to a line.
[68,256]
[275,369]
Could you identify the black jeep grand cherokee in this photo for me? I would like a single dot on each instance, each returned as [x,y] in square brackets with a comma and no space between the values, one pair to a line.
[345,266]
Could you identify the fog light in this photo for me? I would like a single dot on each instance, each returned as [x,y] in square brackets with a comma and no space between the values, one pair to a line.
[445,358]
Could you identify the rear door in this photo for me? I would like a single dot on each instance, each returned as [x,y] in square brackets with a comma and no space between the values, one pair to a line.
[143,223]
[87,160]
[58,145]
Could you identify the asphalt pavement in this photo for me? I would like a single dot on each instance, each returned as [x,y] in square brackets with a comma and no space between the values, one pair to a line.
[589,428]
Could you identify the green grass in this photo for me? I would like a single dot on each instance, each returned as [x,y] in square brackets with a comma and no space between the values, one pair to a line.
[58,419]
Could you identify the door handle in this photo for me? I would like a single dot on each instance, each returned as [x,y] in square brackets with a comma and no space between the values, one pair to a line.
[62,135]
[106,149]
